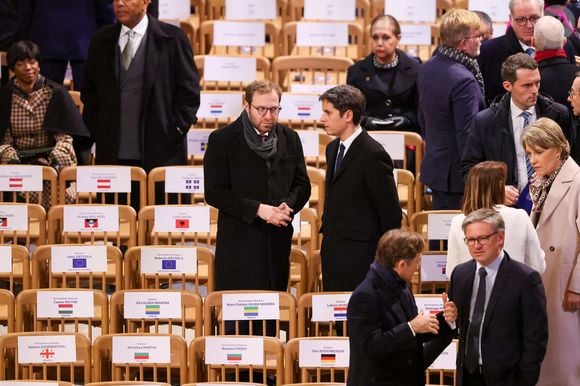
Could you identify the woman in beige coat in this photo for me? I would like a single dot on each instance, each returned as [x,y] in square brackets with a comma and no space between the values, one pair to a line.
[556,214]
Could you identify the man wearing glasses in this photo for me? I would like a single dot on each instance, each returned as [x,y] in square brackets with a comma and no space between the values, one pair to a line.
[255,175]
[574,99]
[501,309]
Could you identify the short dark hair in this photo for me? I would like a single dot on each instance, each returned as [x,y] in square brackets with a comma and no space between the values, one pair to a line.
[509,68]
[398,244]
[22,50]
[262,87]
[396,27]
[346,97]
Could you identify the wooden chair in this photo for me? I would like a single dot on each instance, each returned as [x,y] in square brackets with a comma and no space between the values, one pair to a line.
[406,189]
[262,72]
[76,98]
[18,278]
[136,279]
[6,311]
[156,179]
[298,281]
[214,323]
[189,325]
[35,234]
[125,235]
[420,223]
[309,70]
[318,191]
[322,373]
[315,272]
[410,141]
[306,238]
[43,275]
[362,11]
[127,383]
[421,51]
[104,369]
[77,372]
[309,328]
[47,196]
[220,118]
[443,373]
[28,319]
[34,381]
[273,364]
[190,27]
[315,384]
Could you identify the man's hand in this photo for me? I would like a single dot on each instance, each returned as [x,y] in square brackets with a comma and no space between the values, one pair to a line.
[425,323]
[571,301]
[277,216]
[511,195]
[449,309]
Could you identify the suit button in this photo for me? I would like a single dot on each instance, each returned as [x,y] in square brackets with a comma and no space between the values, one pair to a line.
[552,249]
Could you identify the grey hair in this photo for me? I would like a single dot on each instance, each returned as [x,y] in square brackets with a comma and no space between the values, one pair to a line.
[549,33]
[512,3]
[486,215]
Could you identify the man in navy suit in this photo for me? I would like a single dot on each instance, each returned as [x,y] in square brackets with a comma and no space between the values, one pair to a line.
[501,305]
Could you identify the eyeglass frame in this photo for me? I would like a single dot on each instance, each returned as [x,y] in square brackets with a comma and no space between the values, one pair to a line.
[481,240]
[478,36]
[273,110]
[522,21]
[572,93]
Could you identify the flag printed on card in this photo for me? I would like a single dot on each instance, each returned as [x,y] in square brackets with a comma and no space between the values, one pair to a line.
[3,222]
[250,311]
[46,353]
[216,108]
[339,312]
[192,184]
[79,263]
[15,182]
[65,309]
[304,111]
[182,223]
[143,356]
[328,359]
[91,223]
[234,357]
[168,264]
[104,183]
[152,309]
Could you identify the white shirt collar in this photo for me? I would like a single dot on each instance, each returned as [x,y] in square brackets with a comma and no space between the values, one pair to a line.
[347,142]
[516,111]
[139,29]
[493,267]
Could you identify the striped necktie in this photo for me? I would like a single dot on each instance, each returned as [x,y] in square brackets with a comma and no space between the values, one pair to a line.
[530,170]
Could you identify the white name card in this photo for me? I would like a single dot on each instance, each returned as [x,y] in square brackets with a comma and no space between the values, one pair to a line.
[311,34]
[5,259]
[415,34]
[20,178]
[174,9]
[447,359]
[296,224]
[251,9]
[329,10]
[300,107]
[412,10]
[499,29]
[262,306]
[394,144]
[323,353]
[310,142]
[20,383]
[152,305]
[168,260]
[181,218]
[47,349]
[229,69]
[104,179]
[498,10]
[234,351]
[219,105]
[433,267]
[184,179]
[141,349]
[88,218]
[197,141]
[439,225]
[13,217]
[329,307]
[65,304]
[78,258]
[239,33]
[306,88]
[431,305]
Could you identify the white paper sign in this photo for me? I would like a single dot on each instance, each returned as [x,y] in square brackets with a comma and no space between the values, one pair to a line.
[219,105]
[181,218]
[329,10]
[498,10]
[141,349]
[13,217]
[394,144]
[87,218]
[184,179]
[499,29]
[329,307]
[197,141]
[311,34]
[239,33]
[78,258]
[310,142]
[47,349]
[300,107]
[152,305]
[323,353]
[65,304]
[174,9]
[433,267]
[415,34]
[20,178]
[104,179]
[447,360]
[168,260]
[439,224]
[261,306]
[251,9]
[308,88]
[5,259]
[412,10]
[429,304]
[20,383]
[229,68]
[234,351]
[296,224]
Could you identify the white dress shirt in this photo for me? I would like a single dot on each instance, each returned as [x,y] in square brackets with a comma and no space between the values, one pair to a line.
[518,130]
[139,31]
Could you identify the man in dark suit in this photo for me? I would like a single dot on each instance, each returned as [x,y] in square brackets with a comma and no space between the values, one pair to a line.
[361,197]
[141,90]
[501,305]
[390,342]
[255,175]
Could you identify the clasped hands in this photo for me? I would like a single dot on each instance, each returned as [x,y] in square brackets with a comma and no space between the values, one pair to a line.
[428,323]
[279,216]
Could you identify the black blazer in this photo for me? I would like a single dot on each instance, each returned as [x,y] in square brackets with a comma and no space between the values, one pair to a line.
[515,326]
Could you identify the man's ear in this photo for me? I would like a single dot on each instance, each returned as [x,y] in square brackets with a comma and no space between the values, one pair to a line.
[507,86]
[348,115]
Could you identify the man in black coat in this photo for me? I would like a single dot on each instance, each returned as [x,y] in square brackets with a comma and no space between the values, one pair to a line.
[255,175]
[390,342]
[361,197]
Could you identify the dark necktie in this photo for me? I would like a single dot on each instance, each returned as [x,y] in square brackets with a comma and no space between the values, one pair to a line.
[472,344]
[339,158]
[263,137]
[530,170]
[127,54]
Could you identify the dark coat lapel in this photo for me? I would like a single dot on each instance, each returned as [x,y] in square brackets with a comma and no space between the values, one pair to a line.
[155,47]
[351,154]
[501,280]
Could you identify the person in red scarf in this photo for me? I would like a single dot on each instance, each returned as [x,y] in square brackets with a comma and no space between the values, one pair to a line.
[556,71]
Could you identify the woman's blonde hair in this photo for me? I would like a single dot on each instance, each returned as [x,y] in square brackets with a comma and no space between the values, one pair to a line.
[485,186]
[546,134]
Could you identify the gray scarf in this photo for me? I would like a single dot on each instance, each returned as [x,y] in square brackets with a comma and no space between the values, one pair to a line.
[462,58]
[266,150]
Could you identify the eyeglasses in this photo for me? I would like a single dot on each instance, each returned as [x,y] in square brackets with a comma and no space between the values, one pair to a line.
[482,240]
[572,93]
[522,21]
[263,110]
[479,36]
